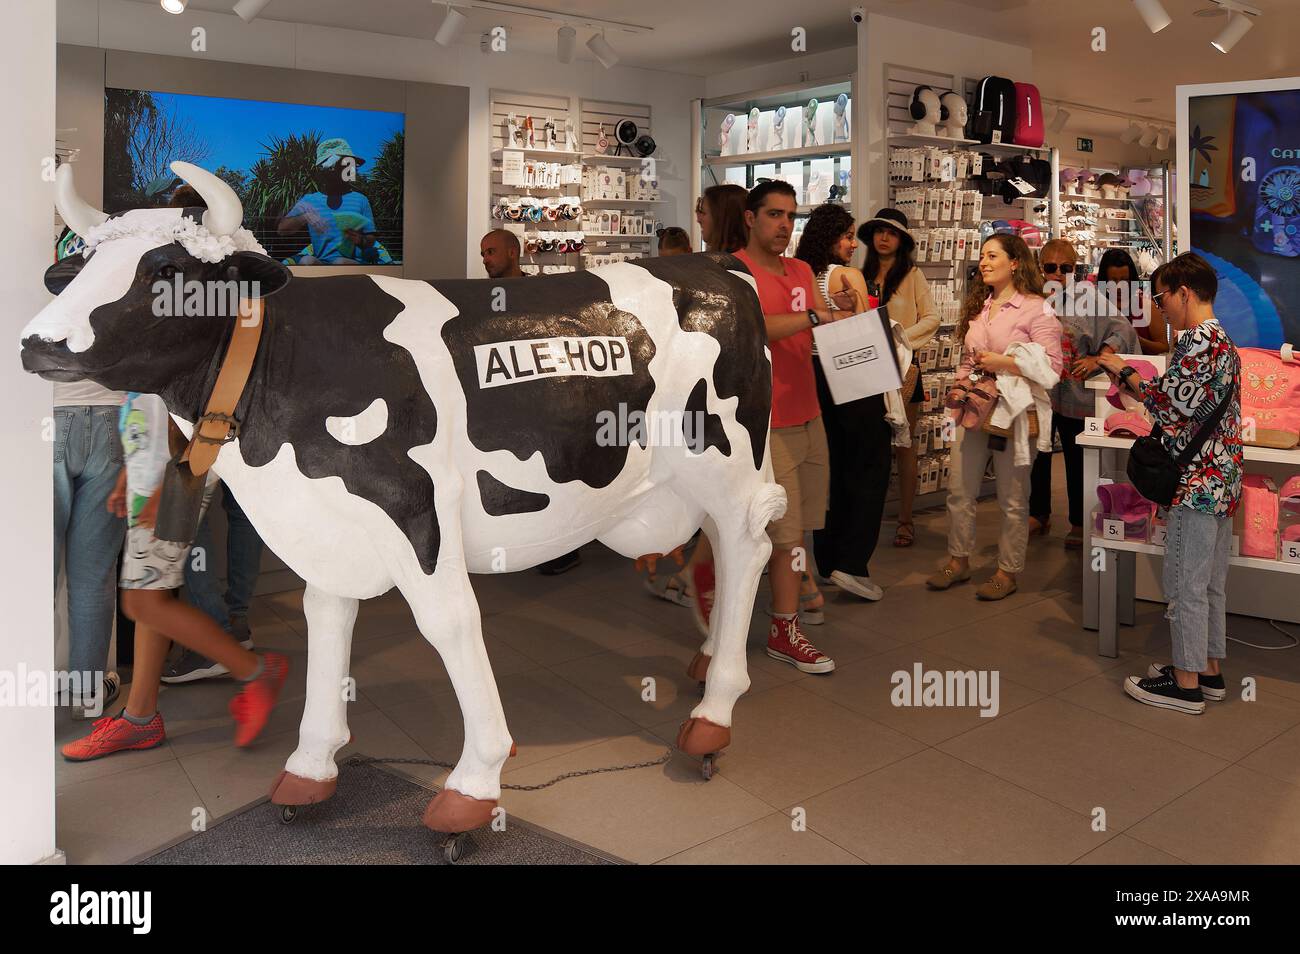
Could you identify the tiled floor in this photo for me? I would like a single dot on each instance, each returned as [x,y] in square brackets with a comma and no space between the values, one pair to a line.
[822,769]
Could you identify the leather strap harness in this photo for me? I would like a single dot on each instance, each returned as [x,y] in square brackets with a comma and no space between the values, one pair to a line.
[218,426]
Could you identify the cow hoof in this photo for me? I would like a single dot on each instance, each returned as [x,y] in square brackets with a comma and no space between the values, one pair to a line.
[451,812]
[699,667]
[290,789]
[699,736]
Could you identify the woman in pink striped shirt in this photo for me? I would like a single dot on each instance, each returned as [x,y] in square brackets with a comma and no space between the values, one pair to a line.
[1005,305]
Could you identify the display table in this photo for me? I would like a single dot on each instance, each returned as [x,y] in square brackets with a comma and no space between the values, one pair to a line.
[1263,588]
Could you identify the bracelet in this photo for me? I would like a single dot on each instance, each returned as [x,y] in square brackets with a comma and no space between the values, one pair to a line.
[812,316]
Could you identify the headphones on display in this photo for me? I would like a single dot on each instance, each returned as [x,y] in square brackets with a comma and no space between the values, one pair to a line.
[917,108]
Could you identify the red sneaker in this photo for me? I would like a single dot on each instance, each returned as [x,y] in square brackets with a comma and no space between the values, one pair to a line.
[116,734]
[252,707]
[787,643]
[702,586]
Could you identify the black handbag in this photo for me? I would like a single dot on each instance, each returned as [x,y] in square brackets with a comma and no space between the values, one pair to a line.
[1156,474]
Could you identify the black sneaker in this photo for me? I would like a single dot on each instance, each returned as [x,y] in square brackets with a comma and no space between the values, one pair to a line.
[1165,693]
[189,666]
[1212,687]
[562,564]
[239,629]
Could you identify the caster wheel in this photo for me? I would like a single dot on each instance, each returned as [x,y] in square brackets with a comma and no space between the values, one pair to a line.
[453,848]
[708,766]
[288,813]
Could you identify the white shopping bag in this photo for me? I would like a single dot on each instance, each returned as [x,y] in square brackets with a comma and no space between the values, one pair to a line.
[857,356]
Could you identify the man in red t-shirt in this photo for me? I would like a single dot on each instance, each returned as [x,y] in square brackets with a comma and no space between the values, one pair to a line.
[792,305]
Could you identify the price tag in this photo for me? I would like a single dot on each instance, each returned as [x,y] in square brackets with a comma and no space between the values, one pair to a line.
[1094,427]
[1021,186]
[1291,551]
[1159,534]
[1112,529]
[997,135]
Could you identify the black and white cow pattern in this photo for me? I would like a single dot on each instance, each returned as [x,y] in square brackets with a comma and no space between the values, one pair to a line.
[399,432]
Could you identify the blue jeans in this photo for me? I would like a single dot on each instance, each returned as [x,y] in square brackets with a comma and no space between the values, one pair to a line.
[243,561]
[87,461]
[1197,548]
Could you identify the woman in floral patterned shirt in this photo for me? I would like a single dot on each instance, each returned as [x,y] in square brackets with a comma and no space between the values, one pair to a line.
[1204,370]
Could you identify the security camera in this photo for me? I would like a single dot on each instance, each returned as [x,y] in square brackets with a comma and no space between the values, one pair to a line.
[859,14]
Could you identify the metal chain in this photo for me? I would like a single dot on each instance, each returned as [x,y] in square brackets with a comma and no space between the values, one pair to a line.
[668,754]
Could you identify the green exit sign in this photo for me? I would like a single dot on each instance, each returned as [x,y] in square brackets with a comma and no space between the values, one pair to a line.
[1084,145]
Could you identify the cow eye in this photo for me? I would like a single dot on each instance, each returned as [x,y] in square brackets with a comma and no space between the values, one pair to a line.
[167,272]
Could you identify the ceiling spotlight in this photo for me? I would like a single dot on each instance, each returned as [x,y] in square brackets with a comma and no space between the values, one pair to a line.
[1238,26]
[451,27]
[174,6]
[604,52]
[1148,137]
[1153,14]
[566,38]
[1059,120]
[247,10]
[1162,140]
[1130,135]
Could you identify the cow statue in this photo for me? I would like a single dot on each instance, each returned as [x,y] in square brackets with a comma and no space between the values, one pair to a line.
[407,433]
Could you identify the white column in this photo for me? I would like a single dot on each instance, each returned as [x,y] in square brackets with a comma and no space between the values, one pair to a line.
[27,644]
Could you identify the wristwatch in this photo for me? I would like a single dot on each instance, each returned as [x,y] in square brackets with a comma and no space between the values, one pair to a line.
[1125,371]
[812,316]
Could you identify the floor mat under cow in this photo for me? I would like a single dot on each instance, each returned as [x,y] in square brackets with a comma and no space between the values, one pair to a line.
[373,819]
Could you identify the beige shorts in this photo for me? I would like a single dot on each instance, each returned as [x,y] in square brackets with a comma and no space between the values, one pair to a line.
[801,462]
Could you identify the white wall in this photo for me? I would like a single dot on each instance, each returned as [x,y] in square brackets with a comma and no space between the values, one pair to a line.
[26,733]
[890,42]
[122,25]
[808,67]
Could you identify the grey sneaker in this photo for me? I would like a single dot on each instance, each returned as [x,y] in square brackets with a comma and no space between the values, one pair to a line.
[189,666]
[94,708]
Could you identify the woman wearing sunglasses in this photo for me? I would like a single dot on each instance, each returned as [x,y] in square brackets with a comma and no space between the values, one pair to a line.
[1090,327]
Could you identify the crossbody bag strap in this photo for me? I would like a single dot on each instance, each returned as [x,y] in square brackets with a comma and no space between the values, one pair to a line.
[1205,431]
[218,425]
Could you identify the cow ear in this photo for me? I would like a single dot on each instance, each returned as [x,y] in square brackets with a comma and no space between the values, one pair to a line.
[269,274]
[61,273]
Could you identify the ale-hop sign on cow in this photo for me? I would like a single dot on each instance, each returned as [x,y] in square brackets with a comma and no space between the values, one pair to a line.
[510,362]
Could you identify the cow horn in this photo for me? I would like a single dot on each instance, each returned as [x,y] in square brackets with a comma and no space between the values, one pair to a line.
[225,213]
[80,216]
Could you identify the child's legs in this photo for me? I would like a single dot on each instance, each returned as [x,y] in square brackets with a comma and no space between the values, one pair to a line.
[189,626]
[146,671]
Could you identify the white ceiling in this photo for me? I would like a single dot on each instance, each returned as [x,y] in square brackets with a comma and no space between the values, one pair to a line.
[706,37]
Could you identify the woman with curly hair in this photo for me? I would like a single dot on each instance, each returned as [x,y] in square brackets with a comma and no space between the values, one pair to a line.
[857,434]
[1005,305]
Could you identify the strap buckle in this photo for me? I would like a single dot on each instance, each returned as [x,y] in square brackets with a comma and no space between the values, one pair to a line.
[232,431]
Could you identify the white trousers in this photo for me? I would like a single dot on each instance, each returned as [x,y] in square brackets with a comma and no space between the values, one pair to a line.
[970,458]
